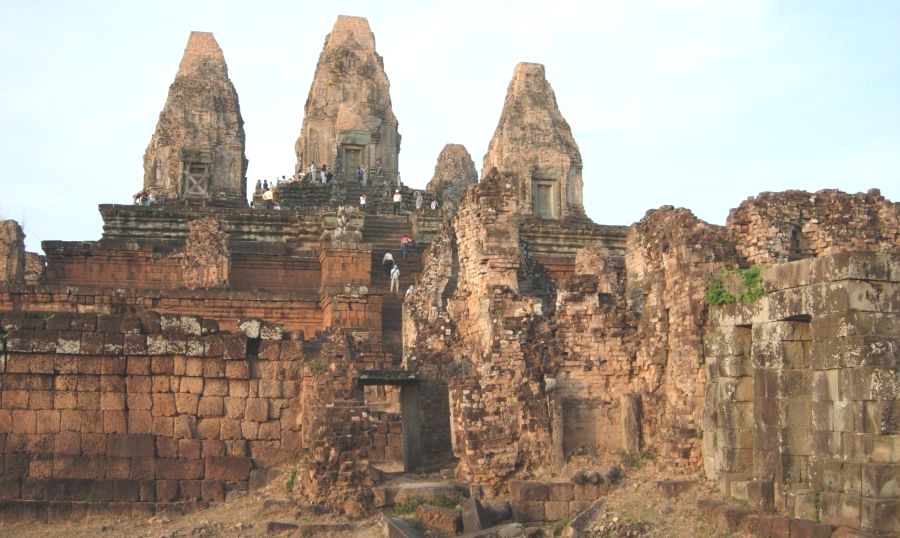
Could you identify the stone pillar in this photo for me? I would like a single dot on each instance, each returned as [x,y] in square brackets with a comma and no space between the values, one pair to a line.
[782,408]
[412,428]
[631,423]
[12,253]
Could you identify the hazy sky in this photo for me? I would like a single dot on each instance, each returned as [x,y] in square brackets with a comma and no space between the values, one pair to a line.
[693,103]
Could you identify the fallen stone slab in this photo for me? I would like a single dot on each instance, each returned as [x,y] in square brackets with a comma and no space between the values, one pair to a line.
[581,524]
[321,529]
[392,494]
[446,520]
[509,530]
[397,527]
[473,516]
[280,526]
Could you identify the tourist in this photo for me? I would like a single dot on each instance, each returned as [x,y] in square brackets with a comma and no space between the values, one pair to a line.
[139,197]
[409,291]
[418,201]
[434,204]
[269,198]
[312,171]
[398,199]
[359,175]
[395,279]
[323,174]
[365,176]
[404,246]
[151,197]
[265,185]
[387,262]
[362,201]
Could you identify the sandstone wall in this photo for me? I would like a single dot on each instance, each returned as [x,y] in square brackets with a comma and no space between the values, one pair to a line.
[296,312]
[144,408]
[792,225]
[801,407]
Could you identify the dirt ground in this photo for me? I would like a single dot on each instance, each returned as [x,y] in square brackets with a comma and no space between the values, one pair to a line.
[634,507]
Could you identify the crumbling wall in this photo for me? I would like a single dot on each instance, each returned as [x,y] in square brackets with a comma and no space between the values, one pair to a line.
[142,408]
[12,253]
[490,340]
[336,431]
[792,225]
[669,258]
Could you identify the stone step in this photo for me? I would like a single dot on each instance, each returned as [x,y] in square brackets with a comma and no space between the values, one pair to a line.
[397,493]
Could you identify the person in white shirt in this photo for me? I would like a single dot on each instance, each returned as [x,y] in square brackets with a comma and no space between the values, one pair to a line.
[395,279]
[398,198]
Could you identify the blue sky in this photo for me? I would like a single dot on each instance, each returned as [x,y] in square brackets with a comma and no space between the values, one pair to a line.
[693,103]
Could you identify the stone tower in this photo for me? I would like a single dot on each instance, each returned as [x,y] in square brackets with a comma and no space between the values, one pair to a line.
[453,174]
[197,150]
[348,120]
[534,142]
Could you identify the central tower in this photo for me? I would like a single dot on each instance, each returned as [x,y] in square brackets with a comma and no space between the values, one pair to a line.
[348,120]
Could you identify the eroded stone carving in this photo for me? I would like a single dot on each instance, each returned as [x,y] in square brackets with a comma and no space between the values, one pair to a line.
[205,261]
[534,142]
[197,150]
[348,120]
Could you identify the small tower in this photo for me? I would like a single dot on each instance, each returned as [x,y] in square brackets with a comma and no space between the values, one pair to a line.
[534,142]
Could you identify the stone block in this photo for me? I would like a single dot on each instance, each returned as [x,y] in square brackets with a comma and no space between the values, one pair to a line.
[131,445]
[473,516]
[880,515]
[256,410]
[189,490]
[881,480]
[234,347]
[228,468]
[212,490]
[522,490]
[561,491]
[806,528]
[840,509]
[166,490]
[445,520]
[175,469]
[528,511]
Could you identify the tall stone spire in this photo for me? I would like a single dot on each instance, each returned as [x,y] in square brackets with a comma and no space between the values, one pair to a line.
[534,142]
[348,120]
[197,150]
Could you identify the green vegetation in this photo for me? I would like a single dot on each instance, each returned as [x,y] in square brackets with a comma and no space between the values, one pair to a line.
[561,525]
[289,485]
[751,286]
[635,460]
[317,367]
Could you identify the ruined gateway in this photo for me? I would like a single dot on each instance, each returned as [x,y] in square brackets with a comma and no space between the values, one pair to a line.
[200,342]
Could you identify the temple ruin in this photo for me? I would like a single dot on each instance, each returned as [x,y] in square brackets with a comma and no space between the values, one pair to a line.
[201,343]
